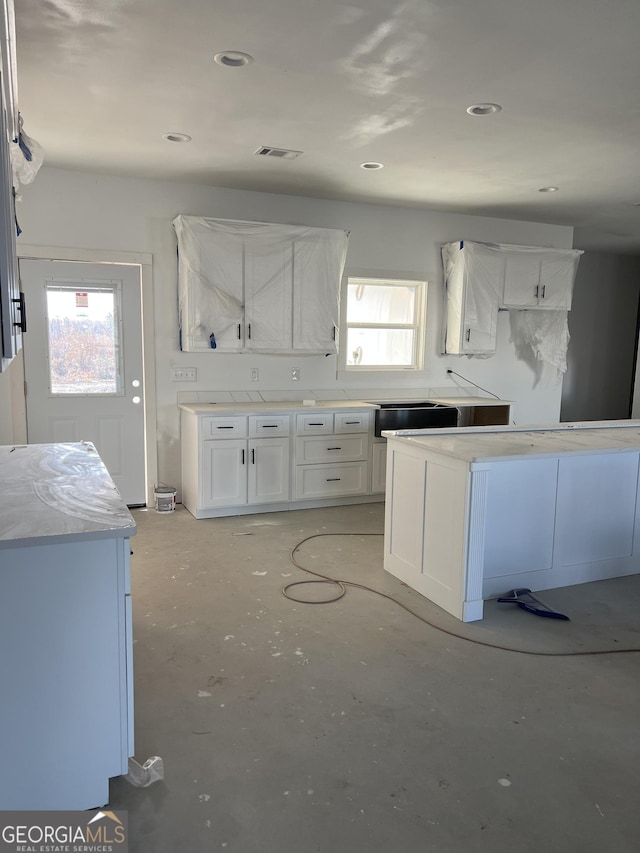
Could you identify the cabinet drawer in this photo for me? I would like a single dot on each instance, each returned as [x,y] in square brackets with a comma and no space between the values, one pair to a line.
[314,424]
[331,448]
[261,426]
[325,481]
[224,427]
[351,421]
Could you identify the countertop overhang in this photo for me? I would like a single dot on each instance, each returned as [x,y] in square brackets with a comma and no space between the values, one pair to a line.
[245,408]
[51,492]
[502,443]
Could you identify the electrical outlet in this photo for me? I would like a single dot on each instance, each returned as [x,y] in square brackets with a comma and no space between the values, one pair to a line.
[295,374]
[253,375]
[184,374]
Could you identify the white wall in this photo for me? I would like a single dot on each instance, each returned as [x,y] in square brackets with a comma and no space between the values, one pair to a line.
[80,210]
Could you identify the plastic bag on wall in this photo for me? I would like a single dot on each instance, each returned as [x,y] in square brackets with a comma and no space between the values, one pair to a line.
[27,157]
[545,332]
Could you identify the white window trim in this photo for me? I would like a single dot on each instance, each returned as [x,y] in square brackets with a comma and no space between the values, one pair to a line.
[421,285]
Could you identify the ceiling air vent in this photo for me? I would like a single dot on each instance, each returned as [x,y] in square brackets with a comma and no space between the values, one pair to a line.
[283,153]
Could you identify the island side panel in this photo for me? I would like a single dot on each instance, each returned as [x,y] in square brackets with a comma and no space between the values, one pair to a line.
[64,715]
[520,524]
[425,523]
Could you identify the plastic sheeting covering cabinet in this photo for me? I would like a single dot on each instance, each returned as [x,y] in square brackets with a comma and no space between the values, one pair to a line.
[481,278]
[258,287]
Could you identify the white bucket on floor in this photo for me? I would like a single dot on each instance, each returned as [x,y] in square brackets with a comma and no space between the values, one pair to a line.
[165,497]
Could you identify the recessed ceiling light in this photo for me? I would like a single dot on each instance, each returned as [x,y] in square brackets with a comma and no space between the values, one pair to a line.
[233,58]
[372,165]
[483,109]
[548,189]
[176,137]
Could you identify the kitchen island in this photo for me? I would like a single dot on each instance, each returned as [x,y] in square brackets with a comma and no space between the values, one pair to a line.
[66,662]
[472,513]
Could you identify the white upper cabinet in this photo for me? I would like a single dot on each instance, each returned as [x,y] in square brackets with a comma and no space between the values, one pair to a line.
[474,282]
[482,278]
[540,278]
[258,287]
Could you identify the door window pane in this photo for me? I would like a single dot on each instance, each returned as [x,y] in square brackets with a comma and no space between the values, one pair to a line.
[84,340]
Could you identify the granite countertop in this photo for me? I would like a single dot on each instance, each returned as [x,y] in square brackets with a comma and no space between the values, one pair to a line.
[53,491]
[320,405]
[493,444]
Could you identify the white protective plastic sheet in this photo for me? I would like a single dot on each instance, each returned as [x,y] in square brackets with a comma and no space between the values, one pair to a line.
[258,287]
[483,267]
[27,157]
[546,333]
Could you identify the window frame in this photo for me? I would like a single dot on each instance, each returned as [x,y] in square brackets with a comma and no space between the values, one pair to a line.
[418,325]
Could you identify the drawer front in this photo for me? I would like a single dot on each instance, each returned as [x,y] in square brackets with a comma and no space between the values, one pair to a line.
[334,448]
[261,426]
[224,427]
[325,481]
[314,424]
[352,422]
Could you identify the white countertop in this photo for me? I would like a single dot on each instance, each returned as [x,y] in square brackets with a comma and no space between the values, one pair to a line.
[493,444]
[58,490]
[320,405]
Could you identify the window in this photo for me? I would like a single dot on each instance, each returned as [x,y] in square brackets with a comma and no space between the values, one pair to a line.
[383,324]
[84,334]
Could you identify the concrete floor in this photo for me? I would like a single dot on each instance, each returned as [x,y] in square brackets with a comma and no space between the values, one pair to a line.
[355,728]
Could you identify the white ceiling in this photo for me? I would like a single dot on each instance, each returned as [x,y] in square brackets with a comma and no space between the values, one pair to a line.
[348,82]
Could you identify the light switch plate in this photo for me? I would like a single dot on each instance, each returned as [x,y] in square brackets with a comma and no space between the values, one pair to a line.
[295,374]
[253,374]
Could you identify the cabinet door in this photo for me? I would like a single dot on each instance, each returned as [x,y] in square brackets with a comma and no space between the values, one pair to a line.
[210,284]
[267,288]
[522,280]
[224,473]
[480,324]
[483,290]
[318,262]
[11,308]
[268,470]
[557,273]
[474,278]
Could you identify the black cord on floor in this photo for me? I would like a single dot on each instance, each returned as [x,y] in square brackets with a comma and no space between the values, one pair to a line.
[342,586]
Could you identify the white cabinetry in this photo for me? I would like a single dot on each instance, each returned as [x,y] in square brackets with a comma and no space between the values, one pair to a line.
[66,645]
[248,468]
[12,308]
[472,516]
[474,281]
[378,466]
[334,462]
[233,464]
[258,287]
[535,278]
[482,278]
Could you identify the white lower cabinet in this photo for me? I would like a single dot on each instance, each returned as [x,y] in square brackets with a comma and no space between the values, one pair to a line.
[325,481]
[335,462]
[233,464]
[378,466]
[237,472]
[268,470]
[224,473]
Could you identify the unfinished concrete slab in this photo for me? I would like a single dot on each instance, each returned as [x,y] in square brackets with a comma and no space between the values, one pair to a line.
[354,726]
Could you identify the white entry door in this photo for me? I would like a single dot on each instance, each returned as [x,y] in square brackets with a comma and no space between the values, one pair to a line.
[83,363]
